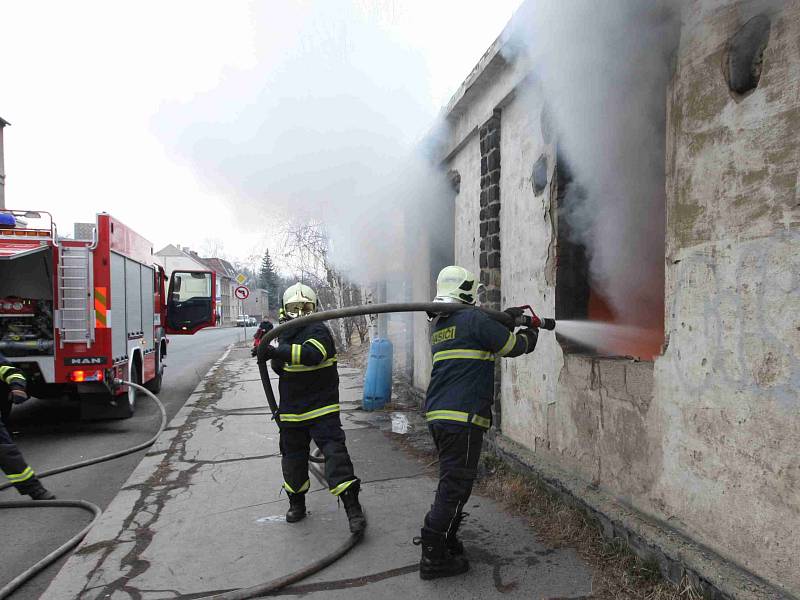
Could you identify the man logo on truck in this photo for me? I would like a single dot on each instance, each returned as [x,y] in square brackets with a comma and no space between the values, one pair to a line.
[85,360]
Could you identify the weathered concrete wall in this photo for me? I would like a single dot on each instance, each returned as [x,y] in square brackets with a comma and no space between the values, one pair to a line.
[467,238]
[704,438]
[418,254]
[591,414]
[728,386]
[529,382]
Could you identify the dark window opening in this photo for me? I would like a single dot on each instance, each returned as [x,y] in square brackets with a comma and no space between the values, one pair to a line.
[745,56]
[539,175]
[576,297]
[572,263]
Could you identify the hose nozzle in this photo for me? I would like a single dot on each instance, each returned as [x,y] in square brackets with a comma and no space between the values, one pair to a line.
[548,324]
[540,323]
[535,321]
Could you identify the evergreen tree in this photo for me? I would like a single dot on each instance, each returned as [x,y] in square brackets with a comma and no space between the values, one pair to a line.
[269,280]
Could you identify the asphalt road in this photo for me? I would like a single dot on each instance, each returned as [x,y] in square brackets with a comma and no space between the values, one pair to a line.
[50,434]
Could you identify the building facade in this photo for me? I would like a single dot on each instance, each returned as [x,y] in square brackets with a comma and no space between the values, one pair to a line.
[257,304]
[701,439]
[231,306]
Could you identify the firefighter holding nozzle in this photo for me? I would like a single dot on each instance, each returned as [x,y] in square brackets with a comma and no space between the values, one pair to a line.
[458,410]
[18,472]
[305,360]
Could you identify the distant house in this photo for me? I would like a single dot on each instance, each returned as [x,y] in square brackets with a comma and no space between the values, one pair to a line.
[176,258]
[257,304]
[230,305]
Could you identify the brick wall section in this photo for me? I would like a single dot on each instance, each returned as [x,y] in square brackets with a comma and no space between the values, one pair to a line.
[490,230]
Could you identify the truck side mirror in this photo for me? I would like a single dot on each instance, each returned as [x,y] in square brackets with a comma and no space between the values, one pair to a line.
[191,302]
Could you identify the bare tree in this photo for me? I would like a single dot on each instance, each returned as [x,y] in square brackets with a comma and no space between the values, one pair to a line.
[306,247]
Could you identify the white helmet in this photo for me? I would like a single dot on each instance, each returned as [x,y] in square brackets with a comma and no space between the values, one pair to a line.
[456,284]
[299,300]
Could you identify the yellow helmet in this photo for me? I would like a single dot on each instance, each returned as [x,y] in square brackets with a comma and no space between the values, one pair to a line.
[456,284]
[299,300]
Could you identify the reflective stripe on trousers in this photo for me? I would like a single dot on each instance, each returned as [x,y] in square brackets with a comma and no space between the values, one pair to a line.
[342,487]
[307,416]
[20,477]
[300,490]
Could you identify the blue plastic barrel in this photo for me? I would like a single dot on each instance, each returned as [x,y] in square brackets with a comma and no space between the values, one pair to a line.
[378,380]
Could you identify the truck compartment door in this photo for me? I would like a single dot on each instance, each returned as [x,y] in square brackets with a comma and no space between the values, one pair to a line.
[191,302]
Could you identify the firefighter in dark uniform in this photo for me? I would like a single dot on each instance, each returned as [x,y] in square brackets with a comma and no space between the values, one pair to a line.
[263,327]
[305,360]
[13,391]
[458,410]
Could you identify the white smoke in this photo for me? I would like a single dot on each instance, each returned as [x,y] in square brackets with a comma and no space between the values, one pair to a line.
[604,68]
[325,126]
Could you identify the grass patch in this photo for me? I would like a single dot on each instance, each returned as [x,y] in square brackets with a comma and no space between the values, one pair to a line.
[618,573]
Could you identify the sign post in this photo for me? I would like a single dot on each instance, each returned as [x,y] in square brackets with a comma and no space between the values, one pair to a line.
[242,293]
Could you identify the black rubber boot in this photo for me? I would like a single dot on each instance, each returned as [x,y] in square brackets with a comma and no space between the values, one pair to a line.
[34,488]
[297,508]
[436,558]
[355,514]
[454,545]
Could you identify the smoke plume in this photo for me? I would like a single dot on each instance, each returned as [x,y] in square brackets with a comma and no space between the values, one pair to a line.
[323,127]
[604,68]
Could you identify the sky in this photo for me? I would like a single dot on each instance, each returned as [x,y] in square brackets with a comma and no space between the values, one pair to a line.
[139,108]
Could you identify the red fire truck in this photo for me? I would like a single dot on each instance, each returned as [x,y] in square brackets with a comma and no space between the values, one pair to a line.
[77,314]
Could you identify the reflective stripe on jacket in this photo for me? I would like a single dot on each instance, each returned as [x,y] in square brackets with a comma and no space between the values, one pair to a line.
[305,360]
[464,345]
[9,374]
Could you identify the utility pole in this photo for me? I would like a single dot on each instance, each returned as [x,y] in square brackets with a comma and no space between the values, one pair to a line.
[3,124]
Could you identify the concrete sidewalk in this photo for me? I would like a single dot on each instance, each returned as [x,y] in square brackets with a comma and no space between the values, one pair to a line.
[203,514]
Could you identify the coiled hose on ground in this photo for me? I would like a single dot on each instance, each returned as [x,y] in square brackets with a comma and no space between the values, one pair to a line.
[34,570]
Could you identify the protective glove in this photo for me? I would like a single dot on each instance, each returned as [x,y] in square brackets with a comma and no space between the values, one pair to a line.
[515,312]
[17,395]
[531,335]
[269,351]
[277,366]
[253,350]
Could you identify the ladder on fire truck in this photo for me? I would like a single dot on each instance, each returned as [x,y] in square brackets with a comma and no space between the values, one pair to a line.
[75,305]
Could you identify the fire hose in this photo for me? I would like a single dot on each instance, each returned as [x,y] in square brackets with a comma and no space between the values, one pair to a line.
[37,568]
[374,309]
[352,311]
[281,582]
